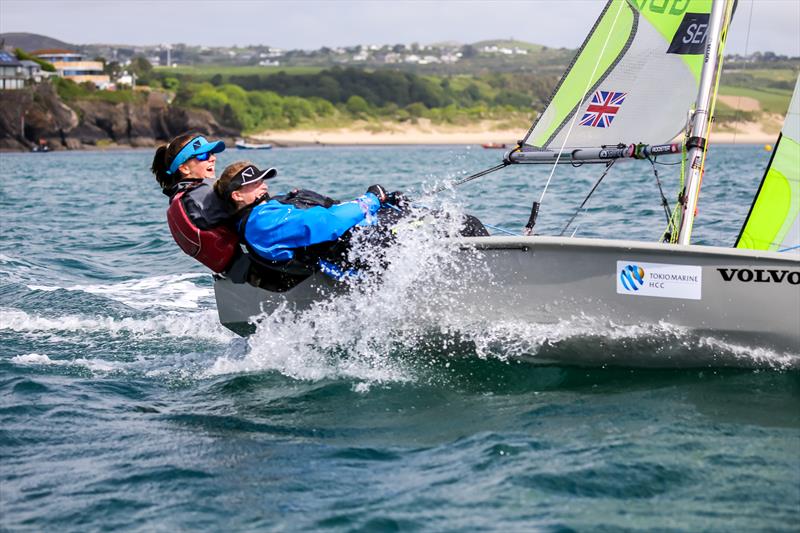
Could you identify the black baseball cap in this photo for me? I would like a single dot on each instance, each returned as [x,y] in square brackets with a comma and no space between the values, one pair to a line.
[247,175]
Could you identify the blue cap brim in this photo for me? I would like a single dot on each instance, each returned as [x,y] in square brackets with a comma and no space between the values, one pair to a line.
[214,147]
[189,151]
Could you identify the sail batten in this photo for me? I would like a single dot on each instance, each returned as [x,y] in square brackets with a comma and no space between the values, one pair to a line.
[641,59]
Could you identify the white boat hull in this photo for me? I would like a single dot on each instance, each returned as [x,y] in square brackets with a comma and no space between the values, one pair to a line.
[250,146]
[742,296]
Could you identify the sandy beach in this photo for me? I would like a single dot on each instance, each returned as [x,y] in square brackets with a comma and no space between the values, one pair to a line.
[393,133]
[764,132]
[486,132]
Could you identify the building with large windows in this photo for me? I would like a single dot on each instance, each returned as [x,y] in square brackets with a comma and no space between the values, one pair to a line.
[74,66]
[12,74]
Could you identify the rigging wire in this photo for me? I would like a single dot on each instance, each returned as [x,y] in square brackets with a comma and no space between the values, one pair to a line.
[585,91]
[580,207]
[738,113]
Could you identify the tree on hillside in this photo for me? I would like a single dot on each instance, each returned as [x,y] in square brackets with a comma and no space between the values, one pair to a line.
[113,69]
[468,51]
[357,106]
[22,55]
[141,66]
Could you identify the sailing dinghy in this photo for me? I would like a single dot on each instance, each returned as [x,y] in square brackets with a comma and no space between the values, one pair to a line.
[241,144]
[642,85]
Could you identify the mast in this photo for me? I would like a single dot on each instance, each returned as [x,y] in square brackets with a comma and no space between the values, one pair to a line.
[696,143]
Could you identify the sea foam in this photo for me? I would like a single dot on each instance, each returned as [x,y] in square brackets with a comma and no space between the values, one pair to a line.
[198,325]
[167,292]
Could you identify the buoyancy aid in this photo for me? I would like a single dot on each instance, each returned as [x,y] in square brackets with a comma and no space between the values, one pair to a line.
[202,204]
[304,199]
[215,245]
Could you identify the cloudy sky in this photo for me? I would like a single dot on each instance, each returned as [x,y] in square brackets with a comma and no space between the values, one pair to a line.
[774,24]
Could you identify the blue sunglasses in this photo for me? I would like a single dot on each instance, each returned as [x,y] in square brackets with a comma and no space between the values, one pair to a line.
[203,157]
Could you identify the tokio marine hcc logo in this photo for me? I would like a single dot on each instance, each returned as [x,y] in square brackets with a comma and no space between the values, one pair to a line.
[632,277]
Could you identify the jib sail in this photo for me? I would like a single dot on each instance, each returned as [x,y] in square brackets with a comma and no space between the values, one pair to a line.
[774,219]
[633,80]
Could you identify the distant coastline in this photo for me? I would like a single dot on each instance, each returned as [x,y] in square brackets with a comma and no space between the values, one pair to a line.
[478,134]
[750,133]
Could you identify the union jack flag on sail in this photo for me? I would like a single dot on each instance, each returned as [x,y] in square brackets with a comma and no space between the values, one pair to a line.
[602,109]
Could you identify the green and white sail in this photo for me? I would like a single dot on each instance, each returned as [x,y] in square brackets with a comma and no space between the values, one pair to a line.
[641,63]
[774,219]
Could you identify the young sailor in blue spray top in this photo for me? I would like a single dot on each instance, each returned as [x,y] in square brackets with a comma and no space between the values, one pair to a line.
[276,228]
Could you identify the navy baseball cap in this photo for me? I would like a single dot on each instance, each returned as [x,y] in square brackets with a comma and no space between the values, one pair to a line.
[245,176]
[197,147]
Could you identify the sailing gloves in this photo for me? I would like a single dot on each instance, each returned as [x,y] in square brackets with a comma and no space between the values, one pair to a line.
[378,191]
[396,198]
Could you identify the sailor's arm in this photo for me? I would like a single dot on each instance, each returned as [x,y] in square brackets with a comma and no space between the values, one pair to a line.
[274,230]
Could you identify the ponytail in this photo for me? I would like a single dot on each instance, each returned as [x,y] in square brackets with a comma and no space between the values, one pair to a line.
[159,169]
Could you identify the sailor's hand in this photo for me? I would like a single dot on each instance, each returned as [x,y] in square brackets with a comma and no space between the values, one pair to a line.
[378,191]
[397,199]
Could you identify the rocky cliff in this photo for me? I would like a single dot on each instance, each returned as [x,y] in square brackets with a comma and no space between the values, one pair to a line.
[37,112]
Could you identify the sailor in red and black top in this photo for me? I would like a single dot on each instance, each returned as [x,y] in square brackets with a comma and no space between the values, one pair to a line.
[186,170]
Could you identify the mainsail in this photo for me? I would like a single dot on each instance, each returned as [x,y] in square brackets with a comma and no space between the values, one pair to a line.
[633,80]
[774,219]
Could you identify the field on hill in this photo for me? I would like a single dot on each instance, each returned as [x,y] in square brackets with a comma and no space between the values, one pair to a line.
[206,72]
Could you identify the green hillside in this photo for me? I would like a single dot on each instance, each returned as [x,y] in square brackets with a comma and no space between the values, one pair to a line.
[510,43]
[770,100]
[206,72]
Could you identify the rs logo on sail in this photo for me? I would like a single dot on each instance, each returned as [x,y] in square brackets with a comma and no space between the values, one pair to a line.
[760,275]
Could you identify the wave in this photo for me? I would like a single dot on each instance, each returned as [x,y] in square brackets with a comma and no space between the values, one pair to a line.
[202,325]
[93,365]
[588,341]
[171,291]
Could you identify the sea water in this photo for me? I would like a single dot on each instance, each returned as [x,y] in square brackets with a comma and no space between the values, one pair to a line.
[125,405]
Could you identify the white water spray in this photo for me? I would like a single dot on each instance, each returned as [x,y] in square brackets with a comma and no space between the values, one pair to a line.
[402,294]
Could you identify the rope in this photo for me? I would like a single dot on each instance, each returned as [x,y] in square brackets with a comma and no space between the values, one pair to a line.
[501,230]
[670,234]
[586,90]
[664,201]
[580,207]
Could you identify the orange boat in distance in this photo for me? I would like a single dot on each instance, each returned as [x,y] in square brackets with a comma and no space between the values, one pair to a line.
[495,145]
